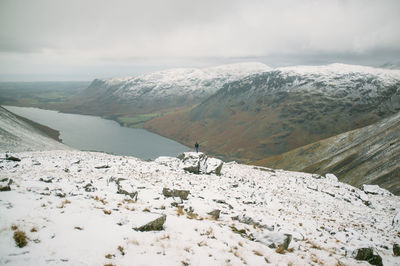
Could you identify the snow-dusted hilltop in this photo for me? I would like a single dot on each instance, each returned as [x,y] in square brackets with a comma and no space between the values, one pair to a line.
[163,89]
[18,135]
[82,208]
[189,82]
[278,110]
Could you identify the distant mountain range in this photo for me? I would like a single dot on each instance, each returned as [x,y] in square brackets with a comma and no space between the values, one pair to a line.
[157,91]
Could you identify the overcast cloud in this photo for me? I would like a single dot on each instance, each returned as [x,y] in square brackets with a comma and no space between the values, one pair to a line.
[75,39]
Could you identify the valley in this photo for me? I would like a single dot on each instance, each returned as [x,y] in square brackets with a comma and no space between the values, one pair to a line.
[247,112]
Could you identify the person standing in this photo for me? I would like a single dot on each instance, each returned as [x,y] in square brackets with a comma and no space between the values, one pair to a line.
[196,146]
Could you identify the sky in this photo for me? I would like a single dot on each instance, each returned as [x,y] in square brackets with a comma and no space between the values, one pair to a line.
[83,40]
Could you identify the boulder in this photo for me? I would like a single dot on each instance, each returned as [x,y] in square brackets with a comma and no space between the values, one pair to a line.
[331,177]
[199,163]
[193,162]
[368,254]
[154,225]
[124,187]
[215,214]
[5,184]
[183,194]
[396,250]
[375,190]
[12,158]
[275,240]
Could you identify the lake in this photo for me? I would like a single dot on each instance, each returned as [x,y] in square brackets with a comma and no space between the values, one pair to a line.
[93,133]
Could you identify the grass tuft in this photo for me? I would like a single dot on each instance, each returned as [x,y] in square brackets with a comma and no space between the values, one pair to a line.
[20,238]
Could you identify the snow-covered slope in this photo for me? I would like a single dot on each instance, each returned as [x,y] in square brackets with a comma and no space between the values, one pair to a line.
[18,135]
[81,208]
[182,82]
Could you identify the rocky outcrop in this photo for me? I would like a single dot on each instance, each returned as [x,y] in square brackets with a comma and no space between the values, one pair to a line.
[193,162]
[369,255]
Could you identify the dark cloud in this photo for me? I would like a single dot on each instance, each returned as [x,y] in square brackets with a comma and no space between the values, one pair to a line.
[77,34]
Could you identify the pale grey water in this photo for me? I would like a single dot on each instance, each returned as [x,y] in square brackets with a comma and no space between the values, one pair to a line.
[93,133]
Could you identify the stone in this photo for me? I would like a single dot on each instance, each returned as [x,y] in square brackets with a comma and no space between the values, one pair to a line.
[155,225]
[89,188]
[368,254]
[375,190]
[183,194]
[125,188]
[199,163]
[5,188]
[5,184]
[102,167]
[331,177]
[12,158]
[396,250]
[215,214]
[275,240]
[47,179]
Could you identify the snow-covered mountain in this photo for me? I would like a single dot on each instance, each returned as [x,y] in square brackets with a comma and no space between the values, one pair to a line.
[278,110]
[163,89]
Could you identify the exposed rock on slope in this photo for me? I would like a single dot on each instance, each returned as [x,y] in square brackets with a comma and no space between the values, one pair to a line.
[369,155]
[265,215]
[17,134]
[285,108]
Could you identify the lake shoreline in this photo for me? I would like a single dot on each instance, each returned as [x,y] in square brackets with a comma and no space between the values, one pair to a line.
[48,131]
[96,133]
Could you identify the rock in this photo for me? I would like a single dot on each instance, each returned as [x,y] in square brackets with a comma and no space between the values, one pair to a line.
[363,197]
[375,190]
[211,166]
[155,225]
[367,254]
[396,220]
[316,176]
[5,188]
[275,240]
[396,250]
[102,167]
[89,187]
[5,184]
[215,214]
[124,187]
[12,158]
[331,177]
[183,194]
[199,163]
[48,179]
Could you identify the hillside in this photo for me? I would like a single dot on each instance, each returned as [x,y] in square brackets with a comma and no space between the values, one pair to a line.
[369,155]
[84,208]
[276,111]
[18,134]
